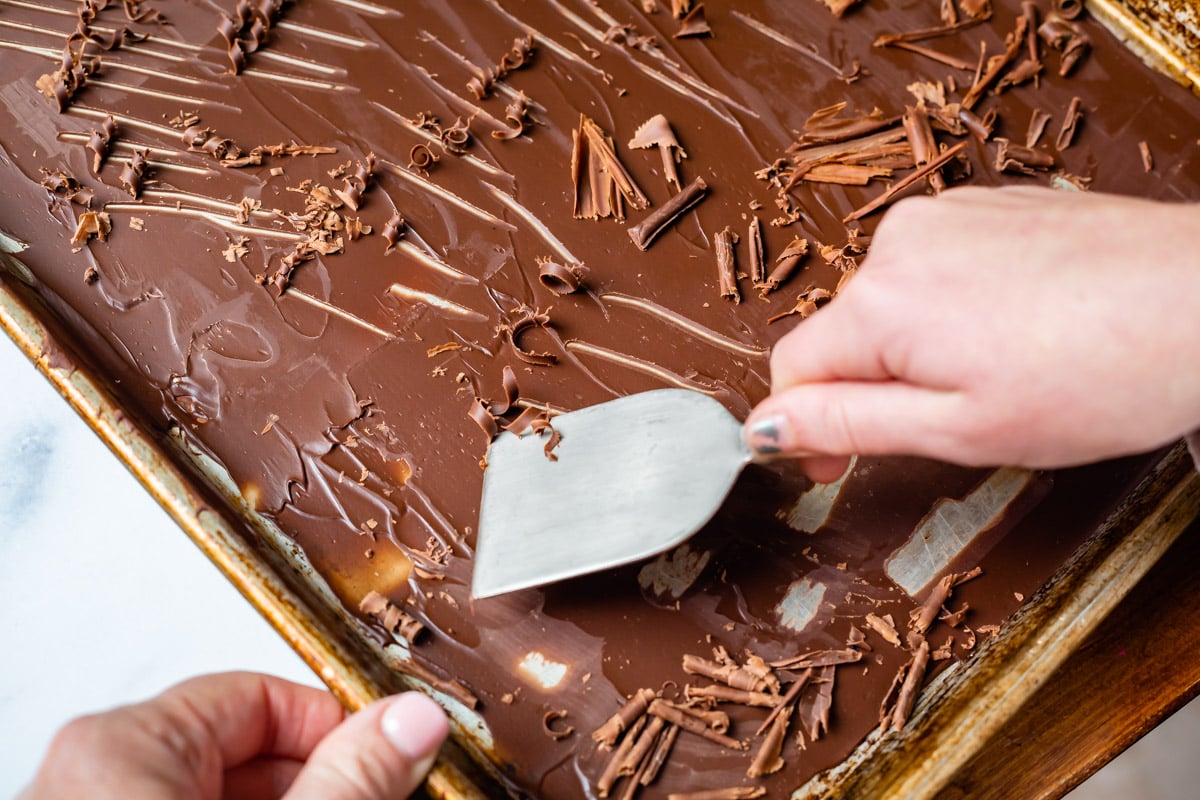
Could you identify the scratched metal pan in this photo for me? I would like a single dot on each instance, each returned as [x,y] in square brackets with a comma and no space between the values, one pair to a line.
[956,715]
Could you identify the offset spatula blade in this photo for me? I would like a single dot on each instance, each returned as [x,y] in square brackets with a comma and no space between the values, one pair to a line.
[634,477]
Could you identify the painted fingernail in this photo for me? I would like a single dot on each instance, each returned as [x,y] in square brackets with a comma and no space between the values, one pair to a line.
[416,726]
[770,435]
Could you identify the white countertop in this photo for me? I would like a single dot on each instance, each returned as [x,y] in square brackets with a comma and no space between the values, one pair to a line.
[104,608]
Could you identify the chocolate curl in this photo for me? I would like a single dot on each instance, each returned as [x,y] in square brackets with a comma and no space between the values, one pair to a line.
[921,139]
[641,748]
[1066,133]
[716,720]
[692,725]
[725,793]
[1068,9]
[1016,158]
[1037,126]
[645,232]
[757,666]
[728,674]
[923,616]
[609,777]
[91,223]
[884,627]
[912,684]
[1067,37]
[978,126]
[528,318]
[827,126]
[767,760]
[819,658]
[62,184]
[559,278]
[899,186]
[601,181]
[421,158]
[391,616]
[457,137]
[478,411]
[516,117]
[481,84]
[657,132]
[996,64]
[809,301]
[557,734]
[131,173]
[354,185]
[726,264]
[727,694]
[99,140]
[393,230]
[785,265]
[659,757]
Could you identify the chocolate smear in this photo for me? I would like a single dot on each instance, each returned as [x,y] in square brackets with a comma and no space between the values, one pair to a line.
[726,264]
[601,181]
[657,132]
[693,25]
[645,232]
[1066,133]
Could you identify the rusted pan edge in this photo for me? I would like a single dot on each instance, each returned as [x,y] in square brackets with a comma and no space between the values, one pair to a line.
[960,711]
[1165,33]
[356,681]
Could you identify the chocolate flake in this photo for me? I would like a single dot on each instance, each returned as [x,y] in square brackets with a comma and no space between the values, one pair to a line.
[693,25]
[601,181]
[1066,133]
[657,132]
[645,232]
[726,264]
[550,728]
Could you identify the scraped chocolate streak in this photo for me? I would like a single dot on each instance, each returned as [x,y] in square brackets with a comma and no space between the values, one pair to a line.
[317,263]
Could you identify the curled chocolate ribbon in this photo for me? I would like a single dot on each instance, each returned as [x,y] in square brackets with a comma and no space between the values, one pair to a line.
[558,278]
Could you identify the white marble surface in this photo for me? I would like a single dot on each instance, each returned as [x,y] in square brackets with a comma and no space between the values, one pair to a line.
[105,600]
[79,633]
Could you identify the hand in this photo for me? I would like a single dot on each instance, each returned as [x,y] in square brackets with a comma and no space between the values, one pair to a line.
[1020,326]
[242,735]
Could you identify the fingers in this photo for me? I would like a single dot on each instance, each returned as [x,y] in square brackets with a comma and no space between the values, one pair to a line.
[263,778]
[828,346]
[380,752]
[845,418]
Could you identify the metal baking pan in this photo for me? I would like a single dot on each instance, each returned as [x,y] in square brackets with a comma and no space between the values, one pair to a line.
[957,714]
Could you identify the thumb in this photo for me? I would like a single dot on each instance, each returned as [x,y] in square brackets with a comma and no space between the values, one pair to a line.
[845,418]
[380,752]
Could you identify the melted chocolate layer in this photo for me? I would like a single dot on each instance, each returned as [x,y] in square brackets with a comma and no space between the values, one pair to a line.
[326,229]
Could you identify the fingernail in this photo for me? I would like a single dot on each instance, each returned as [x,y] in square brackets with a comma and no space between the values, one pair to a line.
[416,726]
[770,435]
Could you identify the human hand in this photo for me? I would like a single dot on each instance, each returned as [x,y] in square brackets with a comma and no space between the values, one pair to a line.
[1021,326]
[244,735]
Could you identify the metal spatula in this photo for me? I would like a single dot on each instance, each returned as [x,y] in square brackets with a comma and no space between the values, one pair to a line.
[633,477]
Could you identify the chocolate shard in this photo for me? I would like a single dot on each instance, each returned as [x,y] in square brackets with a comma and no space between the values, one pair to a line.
[600,179]
[815,708]
[657,132]
[645,232]
[693,25]
[727,264]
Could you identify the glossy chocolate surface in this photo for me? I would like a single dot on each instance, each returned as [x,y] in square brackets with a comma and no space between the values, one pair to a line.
[340,405]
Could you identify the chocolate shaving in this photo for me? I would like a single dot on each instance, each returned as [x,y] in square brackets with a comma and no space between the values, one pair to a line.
[754,245]
[935,55]
[393,229]
[726,793]
[645,232]
[526,319]
[729,674]
[391,616]
[691,724]
[728,694]
[904,183]
[421,157]
[912,684]
[516,118]
[819,658]
[1147,156]
[1037,126]
[1067,37]
[559,278]
[601,181]
[953,26]
[726,264]
[809,300]
[99,140]
[788,699]
[921,139]
[1067,9]
[556,733]
[131,173]
[642,747]
[355,184]
[1017,158]
[814,712]
[89,224]
[694,24]
[657,132]
[1066,134]
[884,627]
[766,760]
[457,138]
[827,125]
[996,64]
[785,265]
[924,615]
[63,185]
[518,56]
[479,412]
